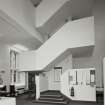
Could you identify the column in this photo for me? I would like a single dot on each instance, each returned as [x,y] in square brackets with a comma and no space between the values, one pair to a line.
[37,79]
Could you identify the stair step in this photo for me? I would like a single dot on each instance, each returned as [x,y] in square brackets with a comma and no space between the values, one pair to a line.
[51,99]
[51,93]
[50,102]
[55,96]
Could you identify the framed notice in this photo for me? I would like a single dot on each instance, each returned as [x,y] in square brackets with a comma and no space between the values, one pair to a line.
[92,77]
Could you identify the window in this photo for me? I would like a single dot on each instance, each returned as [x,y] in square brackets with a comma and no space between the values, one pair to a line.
[13,66]
[57,74]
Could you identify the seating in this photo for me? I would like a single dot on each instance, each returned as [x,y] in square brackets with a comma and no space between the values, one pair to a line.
[3,91]
[3,88]
[19,87]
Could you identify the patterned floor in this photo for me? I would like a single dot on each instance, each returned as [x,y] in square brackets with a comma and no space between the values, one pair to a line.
[26,100]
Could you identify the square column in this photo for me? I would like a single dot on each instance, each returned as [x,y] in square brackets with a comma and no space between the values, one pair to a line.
[37,79]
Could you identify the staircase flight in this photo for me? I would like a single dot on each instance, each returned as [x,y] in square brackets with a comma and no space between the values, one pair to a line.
[75,37]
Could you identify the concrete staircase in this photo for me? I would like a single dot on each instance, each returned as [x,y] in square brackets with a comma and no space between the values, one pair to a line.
[52,97]
[76,37]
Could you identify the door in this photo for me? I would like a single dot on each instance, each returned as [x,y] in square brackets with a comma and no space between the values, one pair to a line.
[31,81]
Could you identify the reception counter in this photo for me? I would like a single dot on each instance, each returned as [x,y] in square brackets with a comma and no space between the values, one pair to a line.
[79,84]
[7,101]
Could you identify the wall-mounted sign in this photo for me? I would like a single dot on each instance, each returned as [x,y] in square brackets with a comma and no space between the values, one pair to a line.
[92,77]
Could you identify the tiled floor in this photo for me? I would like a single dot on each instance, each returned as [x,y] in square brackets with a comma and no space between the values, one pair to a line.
[24,100]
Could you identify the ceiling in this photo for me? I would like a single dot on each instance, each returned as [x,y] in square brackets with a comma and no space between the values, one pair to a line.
[11,35]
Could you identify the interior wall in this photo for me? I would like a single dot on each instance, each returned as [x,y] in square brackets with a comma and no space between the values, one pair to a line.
[5,64]
[22,79]
[23,13]
[52,84]
[99,51]
[43,82]
[26,80]
[65,64]
[27,61]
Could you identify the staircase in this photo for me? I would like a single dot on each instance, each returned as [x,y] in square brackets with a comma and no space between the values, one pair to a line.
[52,97]
[76,37]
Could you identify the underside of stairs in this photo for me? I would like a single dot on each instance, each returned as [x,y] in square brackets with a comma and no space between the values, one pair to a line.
[52,97]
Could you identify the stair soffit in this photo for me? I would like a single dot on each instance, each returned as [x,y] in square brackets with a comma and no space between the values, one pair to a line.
[73,9]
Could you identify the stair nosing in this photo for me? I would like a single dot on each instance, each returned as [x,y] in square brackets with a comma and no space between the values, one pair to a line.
[60,99]
[50,102]
[51,95]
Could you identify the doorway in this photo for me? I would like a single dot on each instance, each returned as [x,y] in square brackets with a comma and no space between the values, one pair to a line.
[31,80]
[31,84]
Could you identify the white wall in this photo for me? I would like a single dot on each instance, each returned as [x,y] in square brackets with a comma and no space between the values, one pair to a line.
[95,60]
[23,13]
[46,10]
[52,84]
[74,34]
[65,64]
[26,80]
[22,79]
[81,92]
[27,61]
[43,81]
[65,83]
